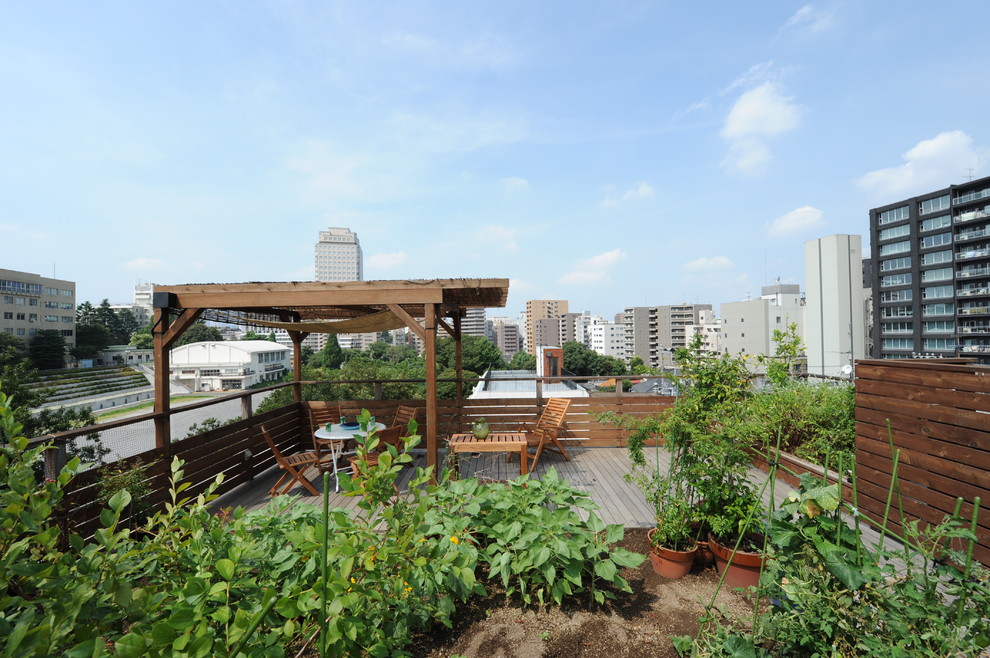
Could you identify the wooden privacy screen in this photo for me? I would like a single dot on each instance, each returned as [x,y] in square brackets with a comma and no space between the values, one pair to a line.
[940,420]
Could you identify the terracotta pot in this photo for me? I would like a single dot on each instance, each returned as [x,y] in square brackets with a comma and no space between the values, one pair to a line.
[742,569]
[669,563]
[704,557]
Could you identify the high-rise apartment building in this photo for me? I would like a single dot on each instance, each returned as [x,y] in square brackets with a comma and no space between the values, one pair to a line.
[30,303]
[475,323]
[338,256]
[834,315]
[507,338]
[653,332]
[931,274]
[541,309]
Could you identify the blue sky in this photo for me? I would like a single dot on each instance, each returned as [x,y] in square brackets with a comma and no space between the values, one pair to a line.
[613,154]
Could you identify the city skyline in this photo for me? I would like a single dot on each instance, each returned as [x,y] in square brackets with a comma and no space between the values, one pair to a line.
[611,155]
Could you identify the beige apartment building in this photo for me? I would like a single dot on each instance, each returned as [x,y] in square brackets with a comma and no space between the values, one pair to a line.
[30,303]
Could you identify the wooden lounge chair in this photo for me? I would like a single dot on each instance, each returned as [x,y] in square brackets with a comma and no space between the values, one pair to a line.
[402,417]
[321,413]
[293,465]
[390,436]
[544,434]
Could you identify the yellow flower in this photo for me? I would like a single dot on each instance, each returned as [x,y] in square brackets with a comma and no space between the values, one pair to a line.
[353,581]
[454,539]
[422,540]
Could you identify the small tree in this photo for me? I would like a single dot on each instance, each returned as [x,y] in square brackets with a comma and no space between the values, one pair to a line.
[199,332]
[47,350]
[90,340]
[522,361]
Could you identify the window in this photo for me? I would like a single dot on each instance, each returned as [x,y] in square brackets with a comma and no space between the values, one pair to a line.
[895,280]
[897,327]
[939,327]
[66,306]
[21,316]
[51,291]
[32,301]
[896,248]
[8,299]
[936,222]
[936,257]
[65,293]
[929,310]
[67,333]
[896,312]
[209,372]
[20,331]
[32,317]
[7,315]
[934,240]
[898,343]
[896,263]
[934,205]
[941,274]
[49,304]
[936,292]
[51,318]
[19,301]
[895,232]
[895,215]
[67,319]
[940,344]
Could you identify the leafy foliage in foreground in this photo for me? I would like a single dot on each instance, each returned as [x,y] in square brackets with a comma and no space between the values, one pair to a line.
[193,583]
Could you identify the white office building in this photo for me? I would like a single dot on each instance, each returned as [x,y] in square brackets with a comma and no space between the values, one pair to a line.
[607,339]
[748,326]
[339,258]
[834,327]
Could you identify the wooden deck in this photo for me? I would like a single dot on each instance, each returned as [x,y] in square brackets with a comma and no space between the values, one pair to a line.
[598,471]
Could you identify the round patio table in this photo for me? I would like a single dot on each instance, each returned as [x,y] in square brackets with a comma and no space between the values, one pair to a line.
[335,438]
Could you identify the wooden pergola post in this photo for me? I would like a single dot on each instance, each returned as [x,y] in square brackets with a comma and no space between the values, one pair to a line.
[297,337]
[430,340]
[163,421]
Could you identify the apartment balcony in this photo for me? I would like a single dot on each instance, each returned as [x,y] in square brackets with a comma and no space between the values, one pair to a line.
[974,272]
[973,253]
[976,291]
[969,349]
[973,234]
[978,328]
[974,310]
[971,196]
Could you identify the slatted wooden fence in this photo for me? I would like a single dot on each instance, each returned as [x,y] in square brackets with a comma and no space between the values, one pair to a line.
[939,417]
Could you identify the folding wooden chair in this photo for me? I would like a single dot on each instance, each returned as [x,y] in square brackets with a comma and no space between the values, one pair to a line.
[544,434]
[402,417]
[390,436]
[321,413]
[293,465]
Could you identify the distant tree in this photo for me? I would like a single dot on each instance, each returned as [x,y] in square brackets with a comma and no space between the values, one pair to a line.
[330,357]
[306,353]
[85,314]
[128,325]
[47,350]
[478,354]
[142,341]
[199,332]
[90,340]
[250,335]
[448,390]
[120,324]
[581,360]
[271,337]
[522,361]
[638,367]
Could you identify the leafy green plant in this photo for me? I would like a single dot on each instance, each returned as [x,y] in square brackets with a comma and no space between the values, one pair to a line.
[131,477]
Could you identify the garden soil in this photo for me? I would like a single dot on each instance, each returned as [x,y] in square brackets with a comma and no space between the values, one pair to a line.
[632,626]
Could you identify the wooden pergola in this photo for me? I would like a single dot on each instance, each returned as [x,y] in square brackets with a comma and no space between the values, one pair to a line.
[306,307]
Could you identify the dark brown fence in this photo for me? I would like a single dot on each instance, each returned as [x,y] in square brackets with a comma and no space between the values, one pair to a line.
[939,418]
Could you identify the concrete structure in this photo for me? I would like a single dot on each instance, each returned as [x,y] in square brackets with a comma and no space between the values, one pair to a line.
[653,332]
[494,385]
[30,303]
[338,258]
[123,355]
[543,309]
[210,366]
[474,323]
[507,338]
[710,329]
[931,276]
[607,339]
[748,326]
[834,316]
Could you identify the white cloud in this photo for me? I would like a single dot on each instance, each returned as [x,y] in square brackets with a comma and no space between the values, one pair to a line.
[514,185]
[708,264]
[596,268]
[387,260]
[754,75]
[799,220]
[931,164]
[604,260]
[144,263]
[759,113]
[500,237]
[809,19]
[639,190]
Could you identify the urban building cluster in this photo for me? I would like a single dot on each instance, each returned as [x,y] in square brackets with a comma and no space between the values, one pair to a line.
[923,291]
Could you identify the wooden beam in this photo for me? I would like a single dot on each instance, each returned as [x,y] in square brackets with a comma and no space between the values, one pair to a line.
[451,331]
[458,359]
[163,428]
[430,353]
[297,338]
[179,325]
[410,321]
[267,298]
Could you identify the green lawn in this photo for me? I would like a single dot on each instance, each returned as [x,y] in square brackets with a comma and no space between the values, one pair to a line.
[113,413]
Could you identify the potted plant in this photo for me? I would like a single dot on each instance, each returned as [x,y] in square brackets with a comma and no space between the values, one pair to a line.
[735,517]
[672,542]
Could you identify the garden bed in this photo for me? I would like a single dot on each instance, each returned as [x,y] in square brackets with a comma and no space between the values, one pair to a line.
[634,625]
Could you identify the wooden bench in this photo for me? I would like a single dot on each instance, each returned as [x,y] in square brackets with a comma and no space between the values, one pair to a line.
[496,442]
